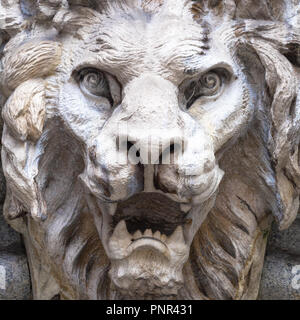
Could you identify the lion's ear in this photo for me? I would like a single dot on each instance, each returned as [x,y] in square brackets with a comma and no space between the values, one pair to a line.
[24,112]
[284,127]
[24,115]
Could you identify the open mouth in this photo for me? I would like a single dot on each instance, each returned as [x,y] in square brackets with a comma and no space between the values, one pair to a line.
[150,211]
[149,220]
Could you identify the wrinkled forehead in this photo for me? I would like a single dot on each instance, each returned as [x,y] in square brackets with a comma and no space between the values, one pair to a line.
[130,41]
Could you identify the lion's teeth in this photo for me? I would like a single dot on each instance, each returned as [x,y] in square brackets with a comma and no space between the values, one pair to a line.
[121,231]
[163,238]
[157,235]
[137,235]
[148,233]
[120,240]
[185,207]
[177,236]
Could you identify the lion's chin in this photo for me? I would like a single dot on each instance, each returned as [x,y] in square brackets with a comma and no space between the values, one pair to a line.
[147,272]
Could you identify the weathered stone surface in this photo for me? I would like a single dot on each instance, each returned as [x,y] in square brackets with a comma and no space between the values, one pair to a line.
[277,277]
[287,241]
[14,272]
[15,283]
[148,145]
[283,254]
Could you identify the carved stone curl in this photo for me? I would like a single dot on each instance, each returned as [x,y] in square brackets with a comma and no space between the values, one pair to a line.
[210,86]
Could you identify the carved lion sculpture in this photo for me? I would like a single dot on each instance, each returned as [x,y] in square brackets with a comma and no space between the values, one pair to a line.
[214,83]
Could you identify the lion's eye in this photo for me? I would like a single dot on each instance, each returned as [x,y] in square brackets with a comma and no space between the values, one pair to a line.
[94,82]
[209,84]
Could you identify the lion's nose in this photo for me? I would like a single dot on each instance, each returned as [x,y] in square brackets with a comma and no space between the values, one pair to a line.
[152,149]
[149,121]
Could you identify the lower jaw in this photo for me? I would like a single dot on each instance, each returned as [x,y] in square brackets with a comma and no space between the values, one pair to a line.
[145,288]
[147,266]
[146,273]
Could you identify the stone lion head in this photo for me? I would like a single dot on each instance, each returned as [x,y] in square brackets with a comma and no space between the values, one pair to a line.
[147,145]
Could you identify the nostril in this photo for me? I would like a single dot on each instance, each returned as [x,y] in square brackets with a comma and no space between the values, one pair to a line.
[131,147]
[172,148]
